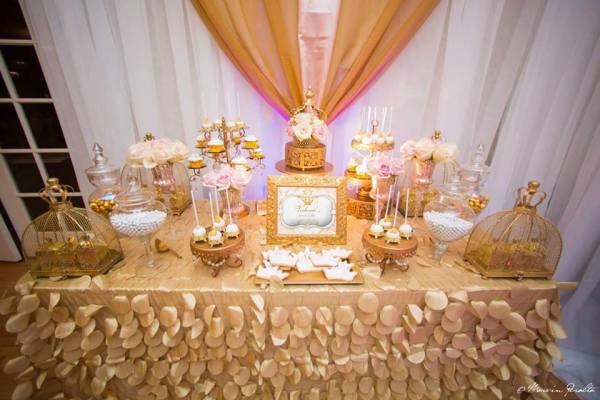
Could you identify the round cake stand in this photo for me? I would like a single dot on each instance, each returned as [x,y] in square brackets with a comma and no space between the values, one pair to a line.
[224,255]
[389,254]
[282,167]
[360,207]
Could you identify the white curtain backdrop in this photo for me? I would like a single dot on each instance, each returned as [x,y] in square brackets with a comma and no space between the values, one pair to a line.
[520,77]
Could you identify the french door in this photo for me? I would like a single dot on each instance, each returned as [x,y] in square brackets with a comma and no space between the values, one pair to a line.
[32,143]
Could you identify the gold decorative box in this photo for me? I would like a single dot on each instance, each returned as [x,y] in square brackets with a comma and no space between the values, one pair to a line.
[304,157]
[68,241]
[518,243]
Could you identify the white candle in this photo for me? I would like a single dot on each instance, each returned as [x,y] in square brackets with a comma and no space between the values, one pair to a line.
[195,210]
[228,205]
[212,216]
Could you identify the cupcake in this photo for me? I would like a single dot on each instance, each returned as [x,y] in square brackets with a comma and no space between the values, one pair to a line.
[216,146]
[357,137]
[230,125]
[196,161]
[232,231]
[250,142]
[376,230]
[392,236]
[200,141]
[215,238]
[257,154]
[406,231]
[362,172]
[352,164]
[217,123]
[199,234]
[389,139]
[239,161]
[366,140]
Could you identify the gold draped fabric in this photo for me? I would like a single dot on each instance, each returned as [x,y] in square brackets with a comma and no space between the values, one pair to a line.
[260,37]
[370,34]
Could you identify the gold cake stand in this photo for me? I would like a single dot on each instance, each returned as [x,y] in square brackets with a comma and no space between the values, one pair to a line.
[389,254]
[224,255]
[360,204]
[372,147]
[282,167]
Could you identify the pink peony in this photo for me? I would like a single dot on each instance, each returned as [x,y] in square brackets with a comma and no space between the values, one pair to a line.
[223,177]
[209,180]
[321,133]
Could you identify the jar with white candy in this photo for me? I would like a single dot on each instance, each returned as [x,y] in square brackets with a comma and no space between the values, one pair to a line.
[448,216]
[138,214]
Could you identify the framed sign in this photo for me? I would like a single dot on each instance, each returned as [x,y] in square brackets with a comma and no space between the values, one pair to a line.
[306,209]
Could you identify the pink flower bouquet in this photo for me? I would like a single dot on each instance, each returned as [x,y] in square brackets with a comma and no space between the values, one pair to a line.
[304,126]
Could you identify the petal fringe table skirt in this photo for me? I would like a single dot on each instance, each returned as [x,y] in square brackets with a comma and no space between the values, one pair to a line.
[177,332]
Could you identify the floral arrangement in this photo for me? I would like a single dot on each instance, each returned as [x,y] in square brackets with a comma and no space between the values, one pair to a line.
[384,167]
[153,152]
[227,176]
[305,125]
[429,149]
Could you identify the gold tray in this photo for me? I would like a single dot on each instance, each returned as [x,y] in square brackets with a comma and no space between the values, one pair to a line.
[389,253]
[315,278]
[219,254]
[281,166]
[373,147]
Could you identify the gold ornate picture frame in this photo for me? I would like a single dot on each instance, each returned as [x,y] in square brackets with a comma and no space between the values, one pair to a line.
[306,209]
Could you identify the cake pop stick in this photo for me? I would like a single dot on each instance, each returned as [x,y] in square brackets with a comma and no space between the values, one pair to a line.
[387,205]
[217,209]
[397,205]
[406,209]
[376,203]
[212,216]
[195,209]
[228,205]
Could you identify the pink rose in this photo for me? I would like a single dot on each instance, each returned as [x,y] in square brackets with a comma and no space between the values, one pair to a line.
[321,133]
[407,150]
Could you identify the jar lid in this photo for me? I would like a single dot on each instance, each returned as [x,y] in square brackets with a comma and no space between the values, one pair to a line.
[101,167]
[135,196]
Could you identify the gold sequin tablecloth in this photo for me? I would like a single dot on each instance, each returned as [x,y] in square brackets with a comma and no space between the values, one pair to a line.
[174,331]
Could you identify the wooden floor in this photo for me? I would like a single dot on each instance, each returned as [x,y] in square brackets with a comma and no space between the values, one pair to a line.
[11,272]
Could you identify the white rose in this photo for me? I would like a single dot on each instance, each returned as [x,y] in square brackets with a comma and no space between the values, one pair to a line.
[445,152]
[424,149]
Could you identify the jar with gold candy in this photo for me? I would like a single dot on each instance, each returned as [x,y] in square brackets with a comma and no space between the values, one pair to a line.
[517,243]
[68,241]
[472,179]
[105,178]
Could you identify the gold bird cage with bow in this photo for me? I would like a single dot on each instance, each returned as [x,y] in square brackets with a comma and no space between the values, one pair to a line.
[518,243]
[66,240]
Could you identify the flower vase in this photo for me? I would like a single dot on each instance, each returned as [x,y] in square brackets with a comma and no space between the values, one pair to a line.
[383,185]
[238,208]
[423,172]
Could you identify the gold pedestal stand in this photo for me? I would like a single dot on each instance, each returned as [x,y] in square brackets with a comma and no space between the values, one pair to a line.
[389,254]
[282,167]
[360,204]
[224,255]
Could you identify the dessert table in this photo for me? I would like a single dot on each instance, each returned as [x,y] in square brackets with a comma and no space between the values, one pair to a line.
[175,331]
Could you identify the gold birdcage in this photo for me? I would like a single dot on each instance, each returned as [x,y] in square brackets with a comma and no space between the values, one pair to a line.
[66,240]
[518,243]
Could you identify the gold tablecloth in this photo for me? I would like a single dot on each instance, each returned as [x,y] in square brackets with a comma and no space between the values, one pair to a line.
[492,336]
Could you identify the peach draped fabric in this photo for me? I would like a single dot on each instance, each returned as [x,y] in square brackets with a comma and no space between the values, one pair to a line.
[282,47]
[260,39]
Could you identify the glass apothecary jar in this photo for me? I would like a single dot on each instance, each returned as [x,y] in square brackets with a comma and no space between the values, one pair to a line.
[516,243]
[472,179]
[105,178]
[137,213]
[66,240]
[448,216]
